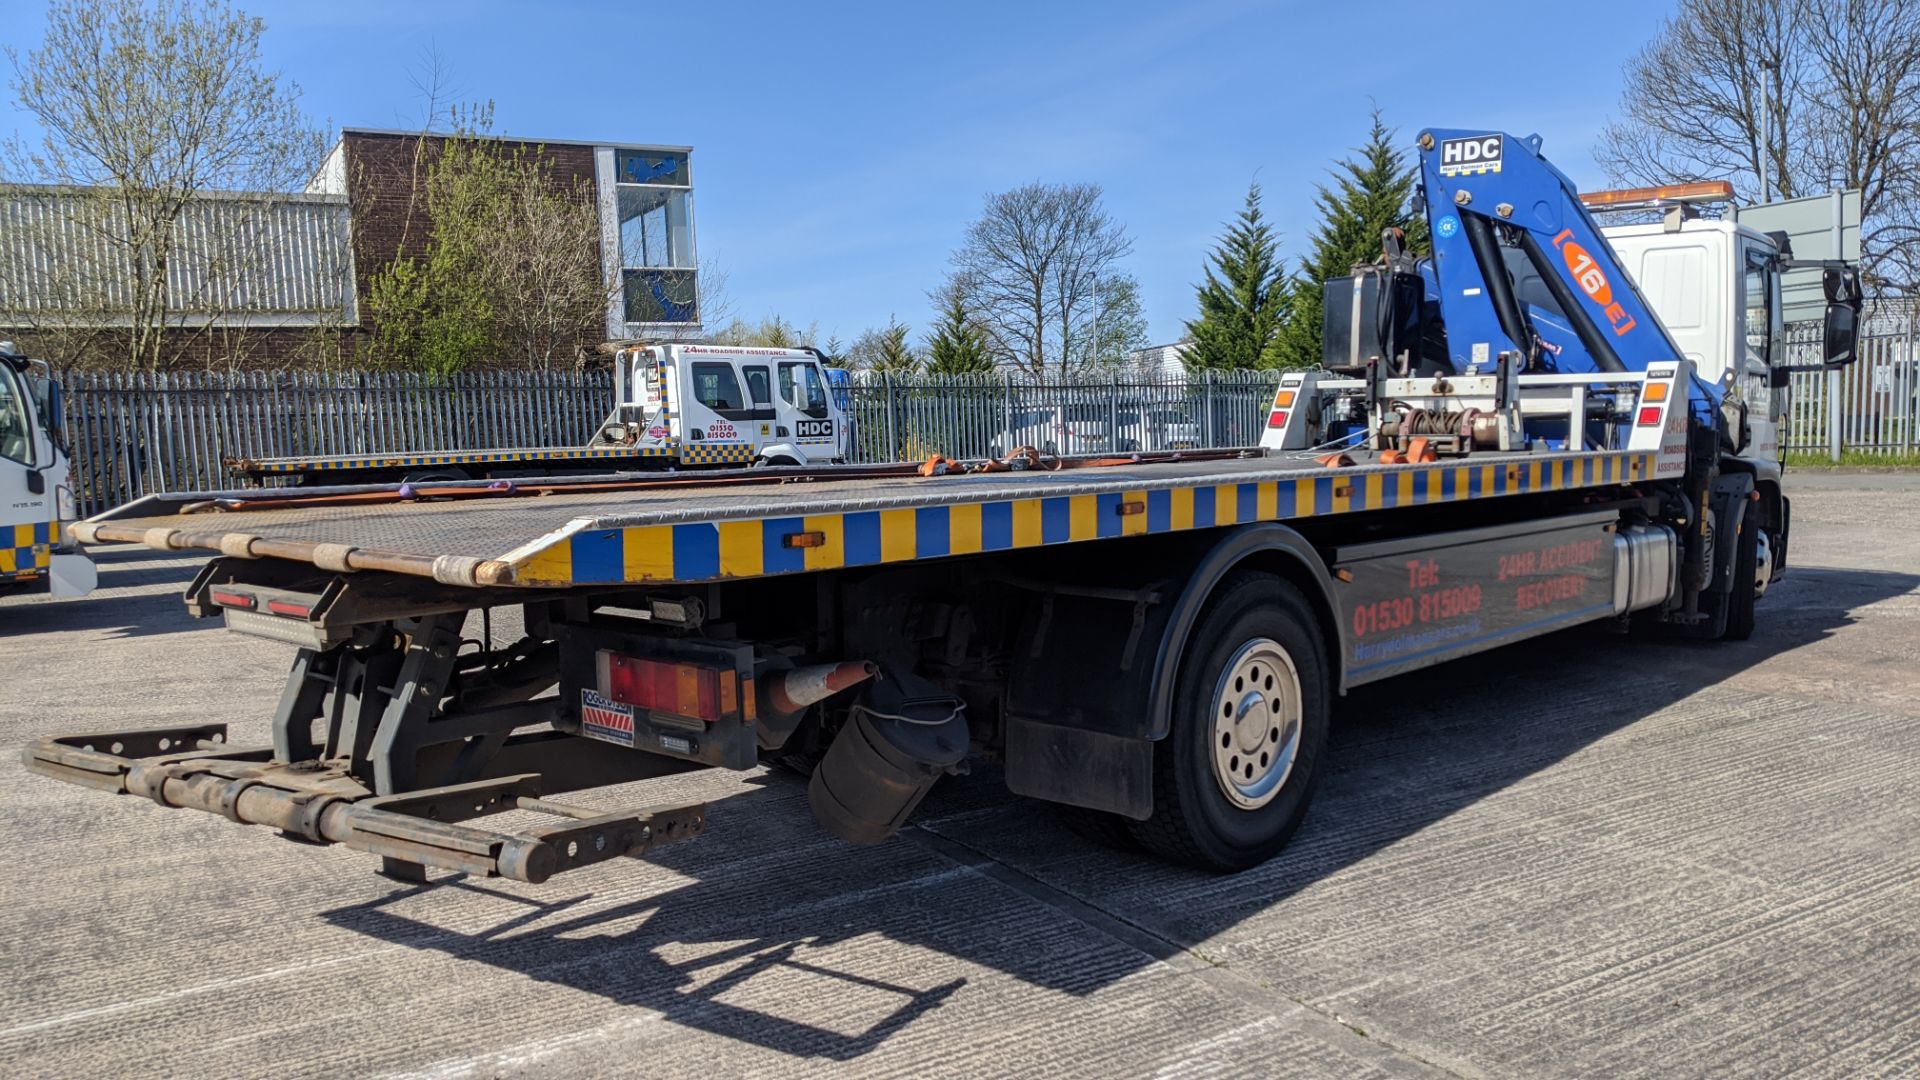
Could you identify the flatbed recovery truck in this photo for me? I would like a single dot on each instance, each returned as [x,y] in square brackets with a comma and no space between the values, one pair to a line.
[675,406]
[1154,642]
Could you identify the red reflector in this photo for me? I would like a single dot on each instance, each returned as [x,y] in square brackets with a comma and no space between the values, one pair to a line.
[687,690]
[243,601]
[289,608]
[1649,416]
[1278,419]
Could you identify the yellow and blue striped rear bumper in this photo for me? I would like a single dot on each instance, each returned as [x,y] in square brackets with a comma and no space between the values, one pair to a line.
[758,546]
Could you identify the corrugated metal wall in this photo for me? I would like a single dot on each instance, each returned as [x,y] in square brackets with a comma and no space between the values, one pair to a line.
[239,258]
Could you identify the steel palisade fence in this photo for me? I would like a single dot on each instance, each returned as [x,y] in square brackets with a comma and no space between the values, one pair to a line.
[898,418]
[133,434]
[1871,407]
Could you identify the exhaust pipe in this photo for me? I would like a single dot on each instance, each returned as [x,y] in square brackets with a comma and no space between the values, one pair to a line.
[783,697]
[792,691]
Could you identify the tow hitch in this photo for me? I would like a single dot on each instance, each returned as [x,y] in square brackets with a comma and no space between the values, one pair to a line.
[322,802]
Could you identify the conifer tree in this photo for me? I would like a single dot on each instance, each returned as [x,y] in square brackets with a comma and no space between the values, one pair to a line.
[1371,192]
[1244,297]
[893,354]
[958,345]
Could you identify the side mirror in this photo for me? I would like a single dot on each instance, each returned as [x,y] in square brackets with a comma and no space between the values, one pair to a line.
[1840,336]
[56,414]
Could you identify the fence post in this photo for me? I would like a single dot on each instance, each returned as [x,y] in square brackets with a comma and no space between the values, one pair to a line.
[893,428]
[1833,416]
[1910,379]
[1006,379]
[1206,407]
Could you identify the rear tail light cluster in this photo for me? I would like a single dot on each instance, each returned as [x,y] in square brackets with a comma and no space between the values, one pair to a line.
[692,691]
[294,607]
[1651,395]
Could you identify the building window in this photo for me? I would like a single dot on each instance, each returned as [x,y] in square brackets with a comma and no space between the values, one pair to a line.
[654,196]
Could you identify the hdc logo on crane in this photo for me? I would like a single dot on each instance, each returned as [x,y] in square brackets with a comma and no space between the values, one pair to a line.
[1592,281]
[1468,157]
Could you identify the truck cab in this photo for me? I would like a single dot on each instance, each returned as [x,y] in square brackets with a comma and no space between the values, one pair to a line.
[1716,287]
[726,404]
[35,496]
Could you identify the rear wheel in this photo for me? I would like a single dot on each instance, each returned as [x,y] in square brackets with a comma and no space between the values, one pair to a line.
[1232,779]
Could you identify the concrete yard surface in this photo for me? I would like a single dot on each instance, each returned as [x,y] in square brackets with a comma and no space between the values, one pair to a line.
[1584,856]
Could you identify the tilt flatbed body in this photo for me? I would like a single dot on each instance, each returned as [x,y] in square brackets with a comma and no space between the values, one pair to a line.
[1504,442]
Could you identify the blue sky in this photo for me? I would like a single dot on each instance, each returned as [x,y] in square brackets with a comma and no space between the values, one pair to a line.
[840,148]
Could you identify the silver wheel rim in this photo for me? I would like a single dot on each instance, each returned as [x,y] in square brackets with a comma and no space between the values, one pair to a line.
[1256,723]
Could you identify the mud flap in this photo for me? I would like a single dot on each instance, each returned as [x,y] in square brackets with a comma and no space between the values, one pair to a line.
[1080,767]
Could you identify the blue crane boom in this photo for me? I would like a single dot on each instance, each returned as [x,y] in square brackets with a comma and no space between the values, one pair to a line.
[1523,269]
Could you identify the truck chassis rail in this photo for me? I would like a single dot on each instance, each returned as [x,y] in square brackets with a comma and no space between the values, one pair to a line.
[322,803]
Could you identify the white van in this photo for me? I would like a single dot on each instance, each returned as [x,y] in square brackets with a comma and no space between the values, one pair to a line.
[35,499]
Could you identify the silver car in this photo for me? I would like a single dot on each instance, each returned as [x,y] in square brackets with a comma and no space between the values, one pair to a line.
[1065,430]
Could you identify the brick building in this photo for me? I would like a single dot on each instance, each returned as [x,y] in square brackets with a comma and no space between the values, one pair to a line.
[644,195]
[281,278]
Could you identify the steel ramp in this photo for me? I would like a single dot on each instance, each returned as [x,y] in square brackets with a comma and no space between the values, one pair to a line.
[321,802]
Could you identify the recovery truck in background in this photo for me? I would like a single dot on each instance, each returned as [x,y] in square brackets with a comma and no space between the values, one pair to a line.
[1505,442]
[36,499]
[675,407]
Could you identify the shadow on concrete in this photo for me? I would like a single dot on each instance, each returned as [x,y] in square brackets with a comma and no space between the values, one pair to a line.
[988,874]
[134,599]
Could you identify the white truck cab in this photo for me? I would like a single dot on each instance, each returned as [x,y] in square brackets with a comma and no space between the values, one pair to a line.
[36,500]
[726,404]
[1716,287]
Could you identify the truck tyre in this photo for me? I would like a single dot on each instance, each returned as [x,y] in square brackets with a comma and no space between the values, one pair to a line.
[1741,594]
[1232,779]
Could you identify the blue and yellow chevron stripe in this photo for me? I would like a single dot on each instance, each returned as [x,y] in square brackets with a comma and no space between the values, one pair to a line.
[716,454]
[460,457]
[759,547]
[27,555]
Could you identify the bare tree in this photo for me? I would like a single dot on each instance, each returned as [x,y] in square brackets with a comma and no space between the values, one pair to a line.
[1030,267]
[543,247]
[143,109]
[1785,98]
